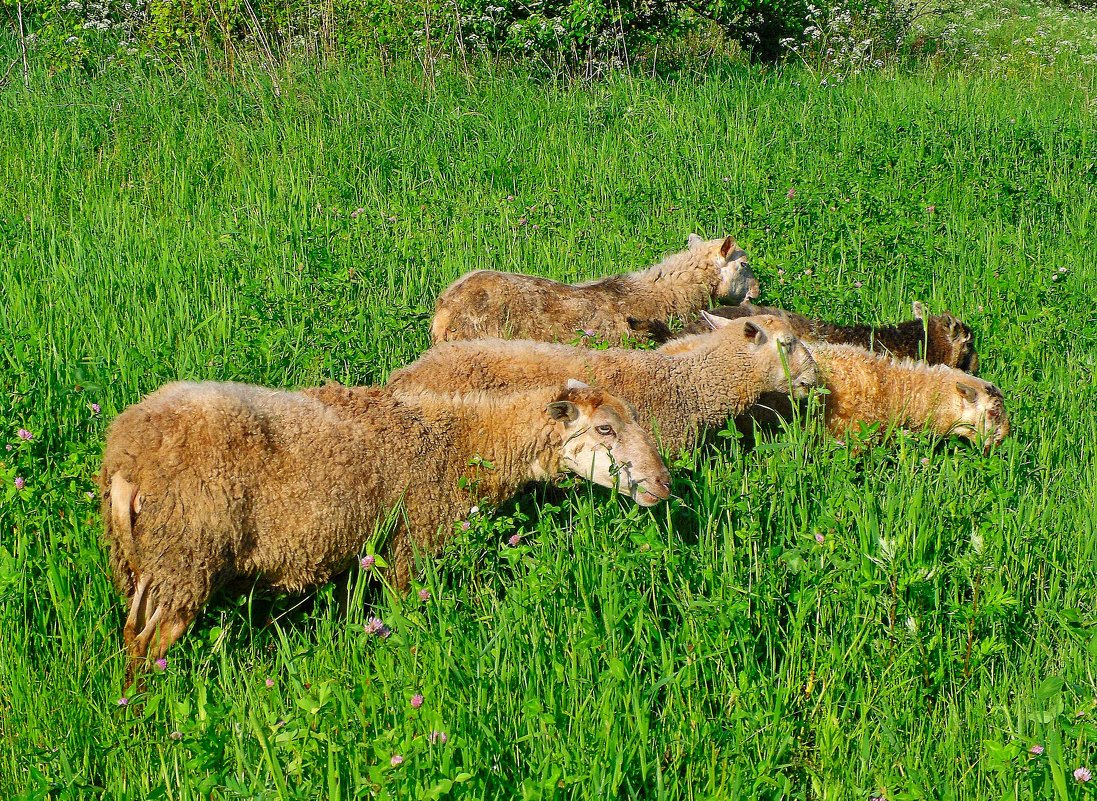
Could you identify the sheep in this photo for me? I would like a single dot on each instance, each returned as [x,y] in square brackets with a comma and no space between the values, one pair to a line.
[866,387]
[938,339]
[725,372]
[487,303]
[207,485]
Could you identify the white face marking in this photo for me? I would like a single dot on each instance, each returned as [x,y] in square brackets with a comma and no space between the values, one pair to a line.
[737,281]
[624,459]
[982,417]
[789,361]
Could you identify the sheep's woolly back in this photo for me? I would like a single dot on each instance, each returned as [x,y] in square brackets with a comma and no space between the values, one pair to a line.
[695,266]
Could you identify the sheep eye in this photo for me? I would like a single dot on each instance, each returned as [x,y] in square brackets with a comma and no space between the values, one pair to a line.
[605,431]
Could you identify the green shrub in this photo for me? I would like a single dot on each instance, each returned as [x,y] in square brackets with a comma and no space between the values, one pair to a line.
[759,25]
[578,36]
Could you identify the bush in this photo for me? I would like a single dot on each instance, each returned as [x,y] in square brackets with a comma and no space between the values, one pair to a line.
[759,25]
[565,34]
[848,38]
[584,36]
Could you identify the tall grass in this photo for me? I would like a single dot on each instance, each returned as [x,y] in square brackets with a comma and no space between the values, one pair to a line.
[803,621]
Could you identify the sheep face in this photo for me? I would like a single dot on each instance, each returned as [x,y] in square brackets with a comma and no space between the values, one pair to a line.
[950,340]
[977,411]
[736,280]
[603,442]
[781,359]
[957,340]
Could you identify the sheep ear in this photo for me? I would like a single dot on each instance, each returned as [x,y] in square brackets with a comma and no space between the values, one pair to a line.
[754,332]
[565,411]
[715,322]
[575,383]
[919,310]
[970,393]
[726,247]
[693,241]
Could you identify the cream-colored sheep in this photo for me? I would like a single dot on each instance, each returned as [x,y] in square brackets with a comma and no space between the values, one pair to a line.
[206,484]
[724,373]
[866,387]
[487,303]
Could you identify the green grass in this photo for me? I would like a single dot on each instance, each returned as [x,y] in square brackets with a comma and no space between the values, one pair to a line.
[161,227]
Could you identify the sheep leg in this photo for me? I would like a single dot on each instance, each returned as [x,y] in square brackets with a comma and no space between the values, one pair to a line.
[135,621]
[344,590]
[173,625]
[140,647]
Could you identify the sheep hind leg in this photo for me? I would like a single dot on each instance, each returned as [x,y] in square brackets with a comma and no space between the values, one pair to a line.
[135,620]
[161,630]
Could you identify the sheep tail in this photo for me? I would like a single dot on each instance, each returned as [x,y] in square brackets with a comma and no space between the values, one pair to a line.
[439,326]
[121,503]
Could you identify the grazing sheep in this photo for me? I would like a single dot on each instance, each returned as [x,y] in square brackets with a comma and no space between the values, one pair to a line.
[722,375]
[207,485]
[866,387]
[938,339]
[487,303]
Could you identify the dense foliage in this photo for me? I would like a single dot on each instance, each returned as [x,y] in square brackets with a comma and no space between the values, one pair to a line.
[592,36]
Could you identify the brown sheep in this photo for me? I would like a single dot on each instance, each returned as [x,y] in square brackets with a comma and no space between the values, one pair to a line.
[725,373]
[487,303]
[866,387]
[938,339]
[207,485]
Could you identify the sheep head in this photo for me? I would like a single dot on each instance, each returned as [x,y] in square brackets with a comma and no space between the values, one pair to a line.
[975,410]
[603,442]
[951,341]
[956,342]
[736,281]
[781,359]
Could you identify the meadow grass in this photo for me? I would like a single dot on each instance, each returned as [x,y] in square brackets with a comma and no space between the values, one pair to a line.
[803,621]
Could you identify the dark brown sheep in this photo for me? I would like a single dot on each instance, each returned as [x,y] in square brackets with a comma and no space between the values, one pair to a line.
[937,339]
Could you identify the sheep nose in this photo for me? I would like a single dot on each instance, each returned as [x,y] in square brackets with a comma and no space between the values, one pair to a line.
[662,487]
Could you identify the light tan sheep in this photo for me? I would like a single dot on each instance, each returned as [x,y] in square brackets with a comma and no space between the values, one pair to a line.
[870,388]
[208,485]
[723,374]
[487,303]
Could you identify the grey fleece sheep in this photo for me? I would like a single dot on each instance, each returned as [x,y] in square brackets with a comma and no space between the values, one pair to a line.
[487,303]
